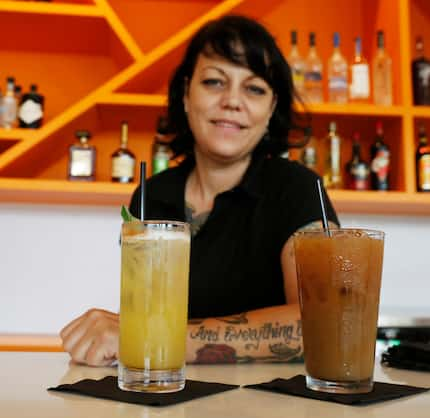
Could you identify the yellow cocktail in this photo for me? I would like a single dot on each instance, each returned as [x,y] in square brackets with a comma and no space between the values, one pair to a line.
[154,302]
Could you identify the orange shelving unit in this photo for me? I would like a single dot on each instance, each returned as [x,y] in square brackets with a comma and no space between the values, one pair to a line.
[101,61]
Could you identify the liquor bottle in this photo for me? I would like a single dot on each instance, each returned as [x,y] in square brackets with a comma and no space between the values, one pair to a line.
[123,160]
[380,161]
[422,160]
[30,112]
[313,73]
[9,105]
[161,152]
[337,74]
[18,93]
[360,83]
[421,75]
[332,174]
[297,65]
[382,74]
[309,153]
[357,170]
[82,158]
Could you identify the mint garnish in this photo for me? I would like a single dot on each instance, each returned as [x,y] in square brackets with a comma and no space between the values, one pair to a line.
[126,215]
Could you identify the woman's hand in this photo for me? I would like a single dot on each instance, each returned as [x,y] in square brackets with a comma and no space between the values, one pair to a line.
[92,338]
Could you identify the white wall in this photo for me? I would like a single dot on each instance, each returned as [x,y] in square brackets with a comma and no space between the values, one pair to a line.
[58,261]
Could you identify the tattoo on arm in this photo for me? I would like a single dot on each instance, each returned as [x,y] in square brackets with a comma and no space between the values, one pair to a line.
[284,343]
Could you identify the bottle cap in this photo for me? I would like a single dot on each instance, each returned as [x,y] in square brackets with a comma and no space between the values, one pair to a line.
[162,125]
[336,40]
[82,133]
[293,37]
[312,39]
[379,128]
[332,126]
[380,40]
[33,87]
[358,45]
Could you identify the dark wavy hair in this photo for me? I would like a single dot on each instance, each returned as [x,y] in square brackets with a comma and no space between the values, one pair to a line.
[245,42]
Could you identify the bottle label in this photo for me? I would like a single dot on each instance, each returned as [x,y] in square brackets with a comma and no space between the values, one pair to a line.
[360,85]
[123,166]
[309,157]
[360,177]
[81,163]
[30,112]
[424,172]
[159,164]
[335,156]
[380,165]
[337,83]
[298,78]
[314,76]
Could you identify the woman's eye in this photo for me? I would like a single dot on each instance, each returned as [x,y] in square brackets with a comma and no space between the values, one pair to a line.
[212,82]
[256,90]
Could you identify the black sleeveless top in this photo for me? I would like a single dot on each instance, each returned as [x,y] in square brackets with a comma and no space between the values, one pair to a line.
[235,256]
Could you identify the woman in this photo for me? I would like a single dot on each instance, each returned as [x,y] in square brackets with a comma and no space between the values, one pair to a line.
[230,106]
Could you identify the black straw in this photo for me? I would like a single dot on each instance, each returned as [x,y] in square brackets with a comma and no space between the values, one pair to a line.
[142,189]
[324,215]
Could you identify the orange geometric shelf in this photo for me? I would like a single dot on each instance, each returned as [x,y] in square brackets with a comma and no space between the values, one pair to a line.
[101,61]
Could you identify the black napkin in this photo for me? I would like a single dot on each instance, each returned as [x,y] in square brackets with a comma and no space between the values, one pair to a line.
[408,355]
[297,386]
[107,388]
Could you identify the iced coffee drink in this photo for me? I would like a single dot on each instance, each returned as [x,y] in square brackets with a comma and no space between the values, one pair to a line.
[339,279]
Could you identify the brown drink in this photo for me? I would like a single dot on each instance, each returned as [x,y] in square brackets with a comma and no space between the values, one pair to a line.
[339,280]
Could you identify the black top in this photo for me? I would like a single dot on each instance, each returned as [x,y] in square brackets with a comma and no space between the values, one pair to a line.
[235,257]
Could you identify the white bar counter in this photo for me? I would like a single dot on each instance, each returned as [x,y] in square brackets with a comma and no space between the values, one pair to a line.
[26,376]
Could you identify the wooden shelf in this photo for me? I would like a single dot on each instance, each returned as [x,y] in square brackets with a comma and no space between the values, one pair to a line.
[355,109]
[375,202]
[50,8]
[65,192]
[111,59]
[30,342]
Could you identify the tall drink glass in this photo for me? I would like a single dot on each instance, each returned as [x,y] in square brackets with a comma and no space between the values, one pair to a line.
[154,302]
[339,280]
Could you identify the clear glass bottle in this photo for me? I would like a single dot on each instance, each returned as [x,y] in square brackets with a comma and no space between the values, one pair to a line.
[421,75]
[357,170]
[313,73]
[9,105]
[30,113]
[309,152]
[82,158]
[161,152]
[380,161]
[422,160]
[359,90]
[297,65]
[337,70]
[332,173]
[123,160]
[382,74]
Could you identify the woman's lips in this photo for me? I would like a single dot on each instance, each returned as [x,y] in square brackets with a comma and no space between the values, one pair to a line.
[228,124]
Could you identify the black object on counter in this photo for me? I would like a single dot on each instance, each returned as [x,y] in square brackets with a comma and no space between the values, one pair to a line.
[107,388]
[297,386]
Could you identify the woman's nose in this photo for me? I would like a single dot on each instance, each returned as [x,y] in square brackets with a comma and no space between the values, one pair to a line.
[231,99]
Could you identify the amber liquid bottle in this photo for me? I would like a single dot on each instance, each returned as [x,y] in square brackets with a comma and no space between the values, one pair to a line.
[123,160]
[380,163]
[357,170]
[422,159]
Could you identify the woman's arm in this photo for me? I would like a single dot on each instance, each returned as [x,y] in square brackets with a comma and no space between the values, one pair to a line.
[269,334]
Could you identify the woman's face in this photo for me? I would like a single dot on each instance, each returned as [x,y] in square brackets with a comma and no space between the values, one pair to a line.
[228,108]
